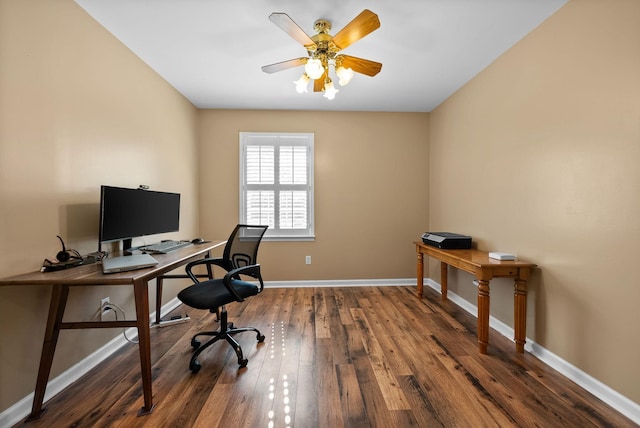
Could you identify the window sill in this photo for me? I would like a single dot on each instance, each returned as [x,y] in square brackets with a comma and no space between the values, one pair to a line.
[289,238]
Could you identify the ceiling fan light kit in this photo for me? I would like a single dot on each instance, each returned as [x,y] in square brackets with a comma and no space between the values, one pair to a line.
[322,50]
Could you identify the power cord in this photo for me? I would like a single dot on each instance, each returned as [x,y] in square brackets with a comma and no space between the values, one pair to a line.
[99,255]
[115,308]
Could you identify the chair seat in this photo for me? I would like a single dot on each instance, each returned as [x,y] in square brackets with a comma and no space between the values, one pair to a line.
[212,294]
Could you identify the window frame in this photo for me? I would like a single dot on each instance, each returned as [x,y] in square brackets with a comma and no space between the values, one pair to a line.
[277,140]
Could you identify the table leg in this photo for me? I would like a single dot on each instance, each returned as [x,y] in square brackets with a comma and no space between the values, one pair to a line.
[158,298]
[140,289]
[57,305]
[520,313]
[209,268]
[420,273]
[483,315]
[444,287]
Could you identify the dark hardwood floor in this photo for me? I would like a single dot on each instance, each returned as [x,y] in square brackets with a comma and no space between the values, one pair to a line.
[333,357]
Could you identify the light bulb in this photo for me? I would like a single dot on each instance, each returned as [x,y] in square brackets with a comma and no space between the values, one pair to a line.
[345,75]
[314,68]
[301,83]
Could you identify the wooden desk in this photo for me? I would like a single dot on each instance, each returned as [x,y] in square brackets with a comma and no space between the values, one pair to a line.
[484,268]
[91,275]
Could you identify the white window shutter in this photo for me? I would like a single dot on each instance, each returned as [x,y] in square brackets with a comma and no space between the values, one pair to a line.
[276,183]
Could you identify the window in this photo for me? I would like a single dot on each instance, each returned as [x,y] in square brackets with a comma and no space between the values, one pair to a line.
[276,183]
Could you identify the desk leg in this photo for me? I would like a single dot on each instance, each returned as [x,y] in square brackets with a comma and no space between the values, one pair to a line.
[444,287]
[483,315]
[57,305]
[420,273]
[158,298]
[520,313]
[209,268]
[141,292]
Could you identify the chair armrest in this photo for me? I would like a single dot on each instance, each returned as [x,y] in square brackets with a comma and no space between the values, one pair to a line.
[251,270]
[218,261]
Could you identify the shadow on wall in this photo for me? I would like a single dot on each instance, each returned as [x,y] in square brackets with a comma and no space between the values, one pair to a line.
[79,226]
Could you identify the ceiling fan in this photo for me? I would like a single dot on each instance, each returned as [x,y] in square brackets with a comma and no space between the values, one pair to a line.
[323,50]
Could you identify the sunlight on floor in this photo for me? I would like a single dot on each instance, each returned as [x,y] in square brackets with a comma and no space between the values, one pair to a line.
[273,383]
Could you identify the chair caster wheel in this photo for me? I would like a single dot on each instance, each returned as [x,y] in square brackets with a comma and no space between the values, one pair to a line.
[194,366]
[260,338]
[243,363]
[195,344]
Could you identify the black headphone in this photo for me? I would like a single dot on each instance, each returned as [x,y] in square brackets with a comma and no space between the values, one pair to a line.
[64,255]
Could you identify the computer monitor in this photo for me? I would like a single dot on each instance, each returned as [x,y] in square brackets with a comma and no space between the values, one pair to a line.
[131,213]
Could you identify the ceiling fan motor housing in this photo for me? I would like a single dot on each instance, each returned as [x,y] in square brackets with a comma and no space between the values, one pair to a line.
[322,26]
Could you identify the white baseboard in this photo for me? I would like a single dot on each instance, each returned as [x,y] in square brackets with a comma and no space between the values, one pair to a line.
[630,409]
[341,283]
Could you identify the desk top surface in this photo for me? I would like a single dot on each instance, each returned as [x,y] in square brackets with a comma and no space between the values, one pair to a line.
[92,274]
[472,256]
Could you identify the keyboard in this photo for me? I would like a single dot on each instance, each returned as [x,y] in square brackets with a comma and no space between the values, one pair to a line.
[164,247]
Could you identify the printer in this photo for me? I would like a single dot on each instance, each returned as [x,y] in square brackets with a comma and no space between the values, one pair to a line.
[447,240]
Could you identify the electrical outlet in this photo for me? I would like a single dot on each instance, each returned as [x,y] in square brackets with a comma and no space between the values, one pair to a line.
[308,260]
[104,302]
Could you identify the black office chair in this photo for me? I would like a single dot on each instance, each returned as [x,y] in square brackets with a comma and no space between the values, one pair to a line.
[239,258]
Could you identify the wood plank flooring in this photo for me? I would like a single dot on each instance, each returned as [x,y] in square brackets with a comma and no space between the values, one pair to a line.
[333,357]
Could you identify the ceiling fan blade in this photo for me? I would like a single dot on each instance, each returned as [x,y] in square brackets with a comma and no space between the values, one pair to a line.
[318,84]
[362,66]
[279,66]
[359,27]
[283,21]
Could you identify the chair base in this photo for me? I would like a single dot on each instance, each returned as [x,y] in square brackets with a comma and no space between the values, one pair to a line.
[226,331]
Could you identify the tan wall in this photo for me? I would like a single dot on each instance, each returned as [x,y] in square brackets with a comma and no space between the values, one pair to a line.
[539,155]
[370,190]
[77,110]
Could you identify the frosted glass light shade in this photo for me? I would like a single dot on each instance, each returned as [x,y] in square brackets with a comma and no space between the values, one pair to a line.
[329,90]
[301,83]
[345,75]
[314,69]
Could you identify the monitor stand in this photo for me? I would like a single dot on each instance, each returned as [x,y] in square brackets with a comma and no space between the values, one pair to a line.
[126,247]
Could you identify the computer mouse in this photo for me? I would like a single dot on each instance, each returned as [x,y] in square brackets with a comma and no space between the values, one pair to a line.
[197,241]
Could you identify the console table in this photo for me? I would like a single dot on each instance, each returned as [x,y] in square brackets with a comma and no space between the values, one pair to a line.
[91,275]
[484,268]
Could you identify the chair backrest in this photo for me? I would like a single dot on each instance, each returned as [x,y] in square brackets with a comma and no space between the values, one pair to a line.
[242,246]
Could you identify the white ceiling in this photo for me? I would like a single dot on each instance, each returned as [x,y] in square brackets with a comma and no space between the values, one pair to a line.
[211,51]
